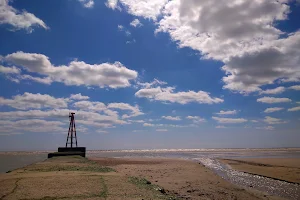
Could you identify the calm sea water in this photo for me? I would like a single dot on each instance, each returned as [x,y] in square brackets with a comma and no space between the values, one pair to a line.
[11,161]
[208,157]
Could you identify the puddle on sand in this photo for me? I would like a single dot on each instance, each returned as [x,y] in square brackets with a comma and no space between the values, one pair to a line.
[271,186]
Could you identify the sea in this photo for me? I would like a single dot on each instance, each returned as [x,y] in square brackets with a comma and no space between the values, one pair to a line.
[208,157]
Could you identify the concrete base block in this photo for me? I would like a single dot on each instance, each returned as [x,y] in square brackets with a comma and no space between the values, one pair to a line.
[68,151]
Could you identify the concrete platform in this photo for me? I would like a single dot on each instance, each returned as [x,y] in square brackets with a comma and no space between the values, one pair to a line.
[68,151]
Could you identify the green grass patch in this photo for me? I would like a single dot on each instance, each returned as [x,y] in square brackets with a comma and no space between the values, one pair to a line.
[68,163]
[144,183]
[104,192]
[72,168]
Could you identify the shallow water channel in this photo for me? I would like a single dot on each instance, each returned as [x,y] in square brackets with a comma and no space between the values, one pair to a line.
[271,186]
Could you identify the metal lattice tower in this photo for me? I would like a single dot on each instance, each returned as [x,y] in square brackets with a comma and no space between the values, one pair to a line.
[71,138]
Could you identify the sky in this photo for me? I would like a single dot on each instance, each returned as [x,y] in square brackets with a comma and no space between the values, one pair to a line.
[150,74]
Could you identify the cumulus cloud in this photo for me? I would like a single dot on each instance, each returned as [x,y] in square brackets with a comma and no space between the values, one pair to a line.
[31,125]
[161,130]
[294,109]
[228,112]
[113,75]
[269,128]
[196,119]
[136,23]
[277,90]
[113,4]
[177,118]
[221,127]
[148,125]
[146,8]
[275,109]
[229,120]
[34,101]
[271,100]
[45,107]
[83,117]
[135,111]
[247,47]
[271,120]
[167,94]
[9,70]
[45,80]
[19,20]
[87,3]
[295,87]
[78,97]
[254,51]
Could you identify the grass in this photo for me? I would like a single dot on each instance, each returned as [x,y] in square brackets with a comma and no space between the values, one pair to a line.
[69,163]
[104,193]
[144,183]
[72,168]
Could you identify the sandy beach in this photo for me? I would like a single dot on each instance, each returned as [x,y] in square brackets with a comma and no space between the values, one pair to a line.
[287,169]
[109,178]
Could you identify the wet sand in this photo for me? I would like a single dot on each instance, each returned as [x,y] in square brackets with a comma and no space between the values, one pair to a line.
[181,178]
[287,169]
[109,178]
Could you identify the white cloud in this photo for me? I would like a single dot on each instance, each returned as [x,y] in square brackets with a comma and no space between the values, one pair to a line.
[145,8]
[87,3]
[109,109]
[295,87]
[91,106]
[248,47]
[113,4]
[155,82]
[9,70]
[271,100]
[275,109]
[148,125]
[167,94]
[136,121]
[17,19]
[161,130]
[136,23]
[229,120]
[220,127]
[45,80]
[254,51]
[82,117]
[31,125]
[228,112]
[77,72]
[171,118]
[196,119]
[271,120]
[101,131]
[78,97]
[294,109]
[34,101]
[135,111]
[254,121]
[138,131]
[120,27]
[277,90]
[269,128]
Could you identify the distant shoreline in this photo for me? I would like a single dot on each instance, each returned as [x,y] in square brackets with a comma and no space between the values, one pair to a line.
[163,150]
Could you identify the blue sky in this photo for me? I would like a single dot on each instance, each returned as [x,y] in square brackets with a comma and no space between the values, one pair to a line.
[150,74]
